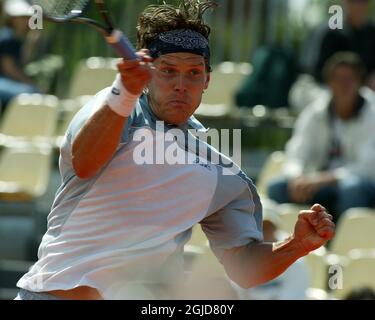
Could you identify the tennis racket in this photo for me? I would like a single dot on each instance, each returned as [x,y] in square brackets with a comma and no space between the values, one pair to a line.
[72,10]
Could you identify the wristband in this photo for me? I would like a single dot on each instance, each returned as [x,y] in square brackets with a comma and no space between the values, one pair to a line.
[120,100]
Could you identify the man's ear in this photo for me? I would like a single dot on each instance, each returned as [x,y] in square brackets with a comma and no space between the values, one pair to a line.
[208,78]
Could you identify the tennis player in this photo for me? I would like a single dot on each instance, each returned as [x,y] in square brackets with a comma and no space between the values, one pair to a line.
[117,229]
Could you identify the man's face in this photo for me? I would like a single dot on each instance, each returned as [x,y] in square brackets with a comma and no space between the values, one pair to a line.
[344,83]
[357,11]
[177,85]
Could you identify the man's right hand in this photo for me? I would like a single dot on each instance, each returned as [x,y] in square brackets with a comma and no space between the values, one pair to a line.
[303,188]
[298,190]
[136,74]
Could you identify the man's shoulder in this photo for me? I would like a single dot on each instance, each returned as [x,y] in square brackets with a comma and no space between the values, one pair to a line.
[369,101]
[317,108]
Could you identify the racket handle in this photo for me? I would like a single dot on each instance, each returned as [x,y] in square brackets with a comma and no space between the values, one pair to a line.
[122,45]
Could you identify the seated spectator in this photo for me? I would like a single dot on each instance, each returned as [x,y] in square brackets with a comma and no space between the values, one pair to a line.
[357,35]
[13,80]
[293,283]
[330,157]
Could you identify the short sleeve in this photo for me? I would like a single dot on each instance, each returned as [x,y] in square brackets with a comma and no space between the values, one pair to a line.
[237,224]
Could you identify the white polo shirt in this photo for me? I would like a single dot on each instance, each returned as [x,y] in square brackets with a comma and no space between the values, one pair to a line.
[130,222]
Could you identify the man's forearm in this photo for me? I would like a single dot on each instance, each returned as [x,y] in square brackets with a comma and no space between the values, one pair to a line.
[96,142]
[257,263]
[11,70]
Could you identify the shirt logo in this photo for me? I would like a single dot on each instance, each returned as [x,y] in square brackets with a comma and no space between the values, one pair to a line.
[207,166]
[116,91]
[204,165]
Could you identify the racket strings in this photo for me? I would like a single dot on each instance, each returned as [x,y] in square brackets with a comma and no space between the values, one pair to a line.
[62,9]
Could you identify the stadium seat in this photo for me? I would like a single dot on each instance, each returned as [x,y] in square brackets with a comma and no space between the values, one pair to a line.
[24,172]
[92,75]
[29,117]
[207,279]
[226,78]
[288,215]
[206,276]
[218,101]
[198,237]
[10,272]
[355,230]
[318,268]
[101,72]
[358,273]
[317,294]
[68,108]
[270,170]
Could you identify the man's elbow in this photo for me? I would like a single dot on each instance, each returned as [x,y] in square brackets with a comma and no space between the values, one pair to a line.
[241,276]
[83,171]
[240,272]
[245,282]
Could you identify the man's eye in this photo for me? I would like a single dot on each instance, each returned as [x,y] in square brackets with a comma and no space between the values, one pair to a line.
[195,72]
[167,71]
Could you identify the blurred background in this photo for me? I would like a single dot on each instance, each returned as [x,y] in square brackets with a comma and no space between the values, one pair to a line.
[263,53]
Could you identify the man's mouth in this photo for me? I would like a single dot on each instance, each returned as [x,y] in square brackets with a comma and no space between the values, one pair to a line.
[178,102]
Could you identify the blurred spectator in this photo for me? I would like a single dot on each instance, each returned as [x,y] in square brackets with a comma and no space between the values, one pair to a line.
[13,79]
[357,35]
[274,71]
[361,294]
[293,283]
[331,155]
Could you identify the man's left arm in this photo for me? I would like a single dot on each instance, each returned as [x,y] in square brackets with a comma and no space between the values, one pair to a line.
[257,263]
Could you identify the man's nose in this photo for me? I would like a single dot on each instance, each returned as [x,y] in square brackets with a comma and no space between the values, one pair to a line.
[180,83]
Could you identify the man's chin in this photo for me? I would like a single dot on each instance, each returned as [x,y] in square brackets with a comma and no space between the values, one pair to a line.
[177,121]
